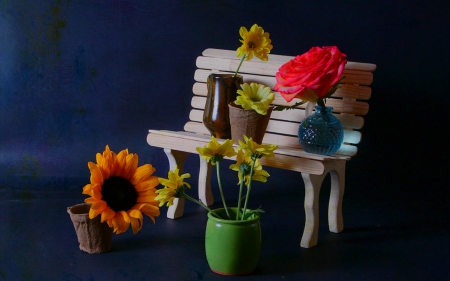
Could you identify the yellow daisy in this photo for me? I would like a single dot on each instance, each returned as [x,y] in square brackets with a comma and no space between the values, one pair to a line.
[255,149]
[243,166]
[121,191]
[255,42]
[173,187]
[215,151]
[255,96]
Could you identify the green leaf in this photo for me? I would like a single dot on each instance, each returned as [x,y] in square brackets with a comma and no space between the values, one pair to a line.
[281,107]
[251,214]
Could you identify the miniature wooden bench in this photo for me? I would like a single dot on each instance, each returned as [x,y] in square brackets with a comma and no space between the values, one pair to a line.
[348,106]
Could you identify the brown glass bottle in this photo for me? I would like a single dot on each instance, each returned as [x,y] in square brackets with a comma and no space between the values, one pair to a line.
[222,90]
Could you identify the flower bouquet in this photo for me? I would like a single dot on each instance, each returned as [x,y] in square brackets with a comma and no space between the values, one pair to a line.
[233,235]
[247,165]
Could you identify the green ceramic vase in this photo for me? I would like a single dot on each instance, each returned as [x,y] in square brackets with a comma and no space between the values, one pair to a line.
[232,247]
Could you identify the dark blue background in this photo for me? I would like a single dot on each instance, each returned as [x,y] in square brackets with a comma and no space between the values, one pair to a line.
[77,75]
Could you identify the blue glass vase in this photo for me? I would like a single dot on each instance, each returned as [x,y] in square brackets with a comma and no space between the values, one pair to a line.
[321,132]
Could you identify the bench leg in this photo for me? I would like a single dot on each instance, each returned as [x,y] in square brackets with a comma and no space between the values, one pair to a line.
[335,219]
[204,183]
[313,183]
[176,158]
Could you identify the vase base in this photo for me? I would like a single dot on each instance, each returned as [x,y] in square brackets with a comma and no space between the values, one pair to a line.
[231,274]
[326,150]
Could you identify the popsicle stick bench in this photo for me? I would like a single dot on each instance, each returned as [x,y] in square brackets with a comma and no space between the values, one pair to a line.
[349,105]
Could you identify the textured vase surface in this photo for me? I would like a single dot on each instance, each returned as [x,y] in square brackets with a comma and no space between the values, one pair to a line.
[248,122]
[94,236]
[321,132]
[222,90]
[232,247]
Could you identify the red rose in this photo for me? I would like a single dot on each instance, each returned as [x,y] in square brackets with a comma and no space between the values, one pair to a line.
[311,75]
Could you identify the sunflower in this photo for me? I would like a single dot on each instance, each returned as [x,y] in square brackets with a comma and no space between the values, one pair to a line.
[215,151]
[243,165]
[121,191]
[255,96]
[257,150]
[255,42]
[173,187]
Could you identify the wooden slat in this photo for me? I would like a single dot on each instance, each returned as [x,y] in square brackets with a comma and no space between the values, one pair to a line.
[274,126]
[229,54]
[252,66]
[353,92]
[346,91]
[340,106]
[201,75]
[171,140]
[281,149]
[296,115]
[346,150]
[218,65]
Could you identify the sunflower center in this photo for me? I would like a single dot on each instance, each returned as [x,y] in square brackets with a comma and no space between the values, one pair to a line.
[119,194]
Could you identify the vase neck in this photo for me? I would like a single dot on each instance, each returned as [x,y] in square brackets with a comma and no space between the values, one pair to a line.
[323,109]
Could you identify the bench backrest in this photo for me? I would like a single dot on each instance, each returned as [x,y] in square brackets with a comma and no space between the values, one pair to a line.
[349,102]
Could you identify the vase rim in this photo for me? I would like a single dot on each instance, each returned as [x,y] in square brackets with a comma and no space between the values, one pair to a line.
[238,106]
[211,217]
[324,107]
[226,75]
[79,209]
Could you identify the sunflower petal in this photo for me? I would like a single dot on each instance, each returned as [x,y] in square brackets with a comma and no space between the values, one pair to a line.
[142,173]
[149,184]
[94,212]
[150,210]
[96,174]
[107,214]
[125,215]
[136,219]
[120,223]
[131,164]
[120,163]
[136,225]
[91,200]
[87,189]
[146,198]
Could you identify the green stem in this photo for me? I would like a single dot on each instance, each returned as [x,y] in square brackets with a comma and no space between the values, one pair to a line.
[201,204]
[237,70]
[240,194]
[320,102]
[221,191]
[249,187]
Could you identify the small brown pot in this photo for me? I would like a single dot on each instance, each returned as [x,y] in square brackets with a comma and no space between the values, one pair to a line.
[94,237]
[248,122]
